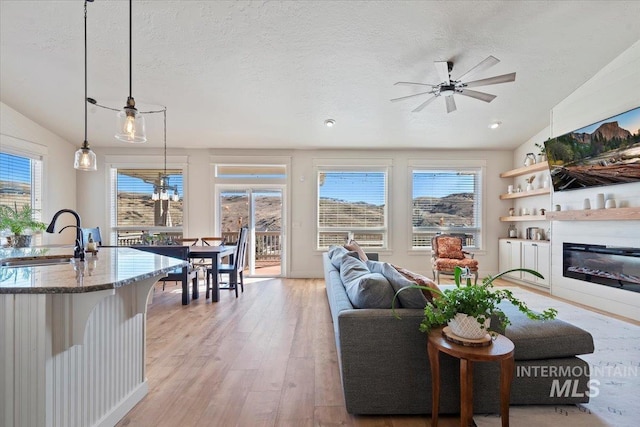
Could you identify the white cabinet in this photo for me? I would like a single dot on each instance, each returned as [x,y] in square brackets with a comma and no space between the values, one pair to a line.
[509,256]
[536,256]
[531,254]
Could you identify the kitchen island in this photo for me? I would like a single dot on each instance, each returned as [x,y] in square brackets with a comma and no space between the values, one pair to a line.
[72,334]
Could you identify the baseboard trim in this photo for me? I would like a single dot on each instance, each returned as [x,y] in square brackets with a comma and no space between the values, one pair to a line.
[119,411]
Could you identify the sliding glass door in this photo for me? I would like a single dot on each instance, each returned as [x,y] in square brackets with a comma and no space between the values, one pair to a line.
[261,210]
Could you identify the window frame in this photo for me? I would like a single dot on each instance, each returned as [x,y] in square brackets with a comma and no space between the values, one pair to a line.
[382,167]
[479,167]
[114,163]
[34,152]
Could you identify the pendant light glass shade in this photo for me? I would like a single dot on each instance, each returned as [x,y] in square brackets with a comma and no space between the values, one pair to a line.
[85,159]
[131,127]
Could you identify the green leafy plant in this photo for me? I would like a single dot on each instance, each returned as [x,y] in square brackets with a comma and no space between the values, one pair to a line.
[19,220]
[478,301]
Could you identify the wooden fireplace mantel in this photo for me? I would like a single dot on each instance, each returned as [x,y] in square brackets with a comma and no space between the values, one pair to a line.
[615,214]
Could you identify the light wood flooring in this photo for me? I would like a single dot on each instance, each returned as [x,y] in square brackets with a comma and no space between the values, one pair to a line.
[267,358]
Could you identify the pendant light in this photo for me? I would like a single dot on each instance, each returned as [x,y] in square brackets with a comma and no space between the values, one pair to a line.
[130,122]
[85,159]
[161,192]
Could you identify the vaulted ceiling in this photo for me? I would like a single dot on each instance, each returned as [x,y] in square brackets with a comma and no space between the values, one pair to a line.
[239,74]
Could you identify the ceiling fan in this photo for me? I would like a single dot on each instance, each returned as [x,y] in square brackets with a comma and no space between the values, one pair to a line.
[449,87]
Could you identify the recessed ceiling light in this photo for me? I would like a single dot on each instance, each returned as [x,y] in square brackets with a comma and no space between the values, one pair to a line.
[329,123]
[495,125]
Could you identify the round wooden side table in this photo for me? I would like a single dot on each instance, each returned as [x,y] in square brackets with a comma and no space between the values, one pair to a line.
[501,349]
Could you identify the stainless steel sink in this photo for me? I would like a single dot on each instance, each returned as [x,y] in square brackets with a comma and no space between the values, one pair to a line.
[36,261]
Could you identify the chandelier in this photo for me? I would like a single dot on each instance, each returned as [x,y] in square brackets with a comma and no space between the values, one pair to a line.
[162,187]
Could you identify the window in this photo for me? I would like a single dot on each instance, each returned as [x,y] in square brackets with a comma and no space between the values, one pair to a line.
[136,214]
[21,183]
[352,204]
[446,201]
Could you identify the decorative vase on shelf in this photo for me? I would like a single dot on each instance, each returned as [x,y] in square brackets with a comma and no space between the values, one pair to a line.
[529,187]
[529,159]
[468,327]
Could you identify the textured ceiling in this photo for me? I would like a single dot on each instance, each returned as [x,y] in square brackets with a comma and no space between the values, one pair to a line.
[267,74]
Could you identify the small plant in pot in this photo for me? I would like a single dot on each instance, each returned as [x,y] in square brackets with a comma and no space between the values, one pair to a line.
[19,221]
[467,309]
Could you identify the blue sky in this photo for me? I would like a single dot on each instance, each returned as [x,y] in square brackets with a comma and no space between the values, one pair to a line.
[366,186]
[629,121]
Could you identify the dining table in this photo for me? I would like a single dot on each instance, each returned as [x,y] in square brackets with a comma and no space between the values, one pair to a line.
[215,254]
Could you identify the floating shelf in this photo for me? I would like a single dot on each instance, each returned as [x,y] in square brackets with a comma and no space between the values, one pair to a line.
[537,192]
[536,167]
[523,218]
[615,214]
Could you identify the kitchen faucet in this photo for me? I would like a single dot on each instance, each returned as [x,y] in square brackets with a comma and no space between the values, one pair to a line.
[78,250]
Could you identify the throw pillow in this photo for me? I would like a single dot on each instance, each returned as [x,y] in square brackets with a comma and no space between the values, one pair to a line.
[354,246]
[364,288]
[449,247]
[421,280]
[409,298]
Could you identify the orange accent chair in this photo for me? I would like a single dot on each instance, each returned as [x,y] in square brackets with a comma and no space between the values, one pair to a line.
[447,254]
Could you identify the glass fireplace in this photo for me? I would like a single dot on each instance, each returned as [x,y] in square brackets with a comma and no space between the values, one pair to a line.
[614,266]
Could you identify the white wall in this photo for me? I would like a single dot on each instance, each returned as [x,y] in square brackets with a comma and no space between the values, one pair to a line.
[613,90]
[303,260]
[59,187]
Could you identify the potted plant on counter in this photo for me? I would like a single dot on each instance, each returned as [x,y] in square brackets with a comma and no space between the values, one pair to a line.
[467,308]
[21,223]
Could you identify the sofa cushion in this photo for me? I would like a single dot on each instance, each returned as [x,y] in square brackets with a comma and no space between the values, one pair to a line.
[544,339]
[364,288]
[421,280]
[409,298]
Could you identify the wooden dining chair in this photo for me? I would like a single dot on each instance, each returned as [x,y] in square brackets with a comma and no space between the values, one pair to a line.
[212,241]
[235,270]
[188,241]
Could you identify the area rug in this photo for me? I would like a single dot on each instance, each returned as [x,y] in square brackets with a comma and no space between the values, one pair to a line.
[615,371]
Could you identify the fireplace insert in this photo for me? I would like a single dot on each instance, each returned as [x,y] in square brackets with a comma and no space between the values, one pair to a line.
[618,267]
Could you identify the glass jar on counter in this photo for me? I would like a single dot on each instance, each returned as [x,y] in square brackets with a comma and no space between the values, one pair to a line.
[513,231]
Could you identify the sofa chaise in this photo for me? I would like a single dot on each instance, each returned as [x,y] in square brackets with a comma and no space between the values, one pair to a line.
[384,364]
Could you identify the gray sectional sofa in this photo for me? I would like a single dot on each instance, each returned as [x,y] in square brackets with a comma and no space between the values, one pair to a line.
[384,365]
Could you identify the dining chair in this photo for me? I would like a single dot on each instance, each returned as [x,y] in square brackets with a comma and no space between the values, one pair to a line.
[235,270]
[212,241]
[188,241]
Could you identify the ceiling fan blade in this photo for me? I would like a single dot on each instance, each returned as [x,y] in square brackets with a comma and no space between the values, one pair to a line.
[412,84]
[424,104]
[451,103]
[409,96]
[493,80]
[442,67]
[487,63]
[486,97]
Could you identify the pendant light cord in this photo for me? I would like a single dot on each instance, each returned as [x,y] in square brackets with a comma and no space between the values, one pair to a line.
[130,48]
[165,143]
[85,75]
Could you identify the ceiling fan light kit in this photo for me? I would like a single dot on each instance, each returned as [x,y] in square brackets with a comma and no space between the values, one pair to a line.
[449,87]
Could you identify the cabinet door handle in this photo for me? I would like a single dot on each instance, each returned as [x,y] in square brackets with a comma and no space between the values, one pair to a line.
[534,244]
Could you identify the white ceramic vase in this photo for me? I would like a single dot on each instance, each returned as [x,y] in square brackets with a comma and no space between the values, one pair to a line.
[468,327]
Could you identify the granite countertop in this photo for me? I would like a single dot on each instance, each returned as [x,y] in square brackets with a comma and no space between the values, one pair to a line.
[109,268]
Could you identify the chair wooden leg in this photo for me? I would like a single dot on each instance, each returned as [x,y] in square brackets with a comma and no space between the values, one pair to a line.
[242,281]
[436,275]
[476,278]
